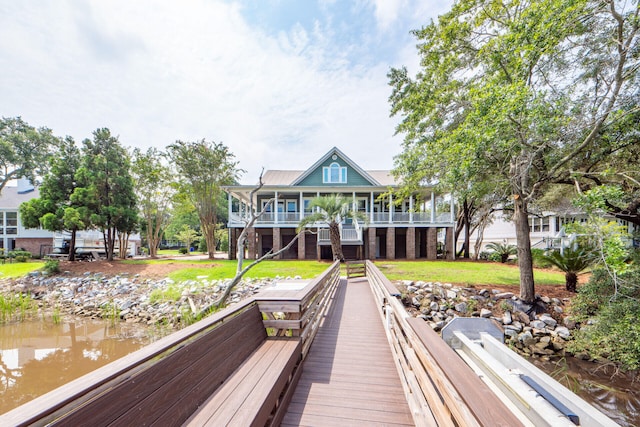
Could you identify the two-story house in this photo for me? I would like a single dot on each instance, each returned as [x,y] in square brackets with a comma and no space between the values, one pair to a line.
[420,226]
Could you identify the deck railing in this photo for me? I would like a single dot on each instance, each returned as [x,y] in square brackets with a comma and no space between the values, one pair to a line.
[182,359]
[440,388]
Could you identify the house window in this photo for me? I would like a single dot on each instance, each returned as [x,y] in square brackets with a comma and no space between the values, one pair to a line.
[307,205]
[10,223]
[334,174]
[292,206]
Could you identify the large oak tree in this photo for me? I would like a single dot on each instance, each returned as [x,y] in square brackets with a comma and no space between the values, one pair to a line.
[523,91]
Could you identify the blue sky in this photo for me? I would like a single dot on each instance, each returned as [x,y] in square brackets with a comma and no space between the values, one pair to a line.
[280,82]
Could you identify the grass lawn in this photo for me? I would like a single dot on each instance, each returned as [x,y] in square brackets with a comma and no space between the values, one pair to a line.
[18,269]
[225,269]
[464,272]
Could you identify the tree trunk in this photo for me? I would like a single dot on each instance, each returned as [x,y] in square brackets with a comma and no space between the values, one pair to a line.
[336,244]
[525,260]
[72,246]
[210,237]
[571,281]
[467,229]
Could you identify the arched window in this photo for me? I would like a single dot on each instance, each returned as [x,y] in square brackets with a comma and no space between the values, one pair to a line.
[334,174]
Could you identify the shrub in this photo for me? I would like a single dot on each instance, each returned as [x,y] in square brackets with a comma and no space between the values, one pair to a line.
[52,266]
[614,336]
[183,251]
[539,260]
[502,250]
[24,255]
[614,330]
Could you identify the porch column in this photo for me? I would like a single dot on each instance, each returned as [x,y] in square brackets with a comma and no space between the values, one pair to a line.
[301,208]
[277,241]
[251,242]
[371,243]
[390,208]
[433,208]
[411,209]
[302,240]
[371,209]
[449,244]
[275,211]
[432,243]
[229,202]
[411,243]
[391,243]
[233,243]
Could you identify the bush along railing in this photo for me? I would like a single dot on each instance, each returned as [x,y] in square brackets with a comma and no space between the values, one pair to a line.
[440,388]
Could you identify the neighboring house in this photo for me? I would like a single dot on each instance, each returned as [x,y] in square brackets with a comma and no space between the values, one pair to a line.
[12,234]
[547,230]
[418,227]
[37,240]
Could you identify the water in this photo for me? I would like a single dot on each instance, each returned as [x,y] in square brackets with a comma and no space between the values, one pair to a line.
[37,357]
[614,393]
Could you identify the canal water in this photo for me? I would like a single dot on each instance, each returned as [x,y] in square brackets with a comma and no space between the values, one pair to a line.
[614,393]
[37,357]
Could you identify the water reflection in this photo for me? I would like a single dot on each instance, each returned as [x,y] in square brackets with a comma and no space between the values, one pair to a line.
[614,393]
[37,357]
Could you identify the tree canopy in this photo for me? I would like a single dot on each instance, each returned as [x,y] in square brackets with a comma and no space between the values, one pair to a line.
[53,210]
[524,92]
[203,167]
[24,150]
[105,188]
[154,192]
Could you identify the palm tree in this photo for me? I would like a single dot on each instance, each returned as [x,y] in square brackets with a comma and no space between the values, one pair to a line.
[503,249]
[333,209]
[571,262]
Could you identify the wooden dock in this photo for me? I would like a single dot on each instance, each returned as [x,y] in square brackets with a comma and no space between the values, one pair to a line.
[349,376]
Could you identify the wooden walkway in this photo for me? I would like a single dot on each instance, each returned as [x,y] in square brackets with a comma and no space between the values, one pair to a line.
[349,376]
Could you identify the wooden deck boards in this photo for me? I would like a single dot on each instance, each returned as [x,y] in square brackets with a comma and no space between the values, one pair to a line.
[349,376]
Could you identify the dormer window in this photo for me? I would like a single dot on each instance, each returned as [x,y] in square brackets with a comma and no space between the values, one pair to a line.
[334,174]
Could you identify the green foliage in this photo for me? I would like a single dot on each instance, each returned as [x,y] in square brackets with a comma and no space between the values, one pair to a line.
[539,260]
[19,255]
[332,210]
[172,292]
[154,191]
[203,168]
[500,96]
[24,150]
[615,335]
[571,261]
[183,251]
[105,187]
[52,266]
[502,250]
[16,307]
[614,310]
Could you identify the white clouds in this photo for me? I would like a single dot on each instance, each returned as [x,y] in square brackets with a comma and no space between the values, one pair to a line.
[154,72]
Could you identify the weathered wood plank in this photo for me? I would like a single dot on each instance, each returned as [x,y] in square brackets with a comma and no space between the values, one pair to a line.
[349,368]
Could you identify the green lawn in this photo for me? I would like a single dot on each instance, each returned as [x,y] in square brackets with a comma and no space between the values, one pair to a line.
[457,272]
[464,272]
[225,269]
[18,269]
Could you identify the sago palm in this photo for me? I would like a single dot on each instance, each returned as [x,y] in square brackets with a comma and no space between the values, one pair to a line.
[571,262]
[333,209]
[503,250]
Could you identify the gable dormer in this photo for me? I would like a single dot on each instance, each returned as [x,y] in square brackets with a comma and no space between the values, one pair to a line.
[335,169]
